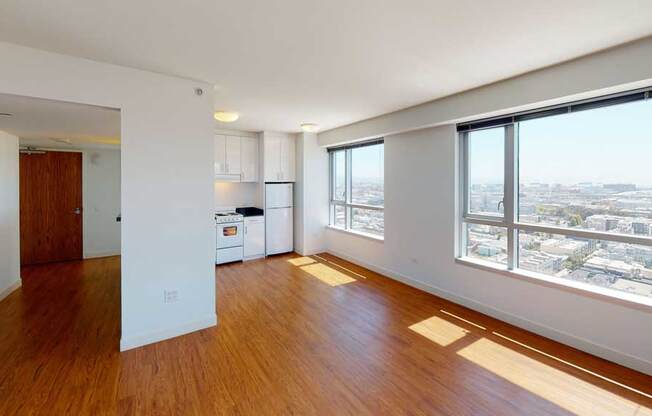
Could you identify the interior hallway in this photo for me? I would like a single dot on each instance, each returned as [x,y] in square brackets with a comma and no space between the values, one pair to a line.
[295,335]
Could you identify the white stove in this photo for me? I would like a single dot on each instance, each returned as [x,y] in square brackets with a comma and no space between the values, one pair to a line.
[224,217]
[230,228]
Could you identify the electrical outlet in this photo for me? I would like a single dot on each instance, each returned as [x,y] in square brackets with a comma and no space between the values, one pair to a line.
[170,296]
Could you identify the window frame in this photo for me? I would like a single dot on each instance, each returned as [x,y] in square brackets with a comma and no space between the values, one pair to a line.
[348,181]
[510,219]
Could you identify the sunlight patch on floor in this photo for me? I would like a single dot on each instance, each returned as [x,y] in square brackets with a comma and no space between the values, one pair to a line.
[327,274]
[439,330]
[625,386]
[301,261]
[341,267]
[566,391]
[463,320]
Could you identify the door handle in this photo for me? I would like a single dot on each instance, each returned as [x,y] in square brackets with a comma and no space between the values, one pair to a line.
[76,211]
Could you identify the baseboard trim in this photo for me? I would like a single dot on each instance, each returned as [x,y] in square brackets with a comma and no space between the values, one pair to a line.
[627,360]
[98,254]
[135,341]
[310,252]
[9,290]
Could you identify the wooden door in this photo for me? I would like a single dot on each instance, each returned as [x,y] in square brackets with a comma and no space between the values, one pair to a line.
[50,207]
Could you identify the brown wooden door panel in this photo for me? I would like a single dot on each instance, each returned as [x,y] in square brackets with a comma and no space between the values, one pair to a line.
[50,191]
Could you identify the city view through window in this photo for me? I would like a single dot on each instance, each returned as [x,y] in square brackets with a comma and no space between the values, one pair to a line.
[588,170]
[360,209]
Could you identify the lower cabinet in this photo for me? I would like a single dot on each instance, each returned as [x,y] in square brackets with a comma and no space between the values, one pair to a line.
[254,237]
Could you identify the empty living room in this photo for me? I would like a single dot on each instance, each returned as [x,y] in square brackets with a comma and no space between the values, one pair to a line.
[307,207]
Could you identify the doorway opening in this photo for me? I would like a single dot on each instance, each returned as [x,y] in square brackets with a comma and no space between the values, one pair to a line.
[64,161]
[69,178]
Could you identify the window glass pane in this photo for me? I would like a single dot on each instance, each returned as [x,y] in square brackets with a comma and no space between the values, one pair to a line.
[486,242]
[339,172]
[618,266]
[368,221]
[340,217]
[486,171]
[368,174]
[588,170]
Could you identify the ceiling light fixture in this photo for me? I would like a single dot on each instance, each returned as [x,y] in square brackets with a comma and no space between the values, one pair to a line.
[310,127]
[226,116]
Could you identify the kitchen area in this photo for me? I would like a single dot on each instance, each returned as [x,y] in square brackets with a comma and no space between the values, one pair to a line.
[254,194]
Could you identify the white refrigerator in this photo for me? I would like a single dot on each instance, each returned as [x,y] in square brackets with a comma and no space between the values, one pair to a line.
[279,218]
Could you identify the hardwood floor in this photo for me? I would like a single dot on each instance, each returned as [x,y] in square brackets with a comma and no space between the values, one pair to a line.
[300,336]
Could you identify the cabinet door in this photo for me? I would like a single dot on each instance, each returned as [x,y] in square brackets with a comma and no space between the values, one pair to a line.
[272,159]
[288,149]
[254,241]
[233,155]
[220,154]
[249,159]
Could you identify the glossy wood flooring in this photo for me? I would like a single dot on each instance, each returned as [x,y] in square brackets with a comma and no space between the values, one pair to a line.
[296,336]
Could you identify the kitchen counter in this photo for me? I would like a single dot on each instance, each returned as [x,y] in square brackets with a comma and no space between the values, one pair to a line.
[250,211]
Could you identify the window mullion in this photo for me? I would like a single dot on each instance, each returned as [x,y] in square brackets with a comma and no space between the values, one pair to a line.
[348,187]
[510,195]
[331,185]
[465,173]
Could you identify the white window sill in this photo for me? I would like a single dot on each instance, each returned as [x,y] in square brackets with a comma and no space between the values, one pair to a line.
[585,289]
[357,233]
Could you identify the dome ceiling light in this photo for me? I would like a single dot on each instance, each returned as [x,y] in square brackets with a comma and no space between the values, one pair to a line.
[226,116]
[310,127]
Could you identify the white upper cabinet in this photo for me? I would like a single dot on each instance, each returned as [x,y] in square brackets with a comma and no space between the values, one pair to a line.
[233,155]
[220,155]
[249,159]
[288,154]
[236,158]
[272,154]
[279,153]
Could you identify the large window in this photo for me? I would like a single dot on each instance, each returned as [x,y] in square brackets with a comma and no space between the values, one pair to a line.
[357,188]
[564,192]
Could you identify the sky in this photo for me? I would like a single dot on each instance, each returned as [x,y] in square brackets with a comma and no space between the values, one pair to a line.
[367,163]
[606,145]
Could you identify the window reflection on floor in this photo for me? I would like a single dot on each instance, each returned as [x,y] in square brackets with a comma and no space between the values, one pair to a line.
[564,390]
[439,330]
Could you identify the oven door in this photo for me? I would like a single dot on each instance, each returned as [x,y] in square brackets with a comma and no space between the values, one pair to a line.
[229,235]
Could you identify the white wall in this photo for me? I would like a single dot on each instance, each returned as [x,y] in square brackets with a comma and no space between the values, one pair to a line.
[168,240]
[9,215]
[618,69]
[311,196]
[237,194]
[101,194]
[419,250]
[299,196]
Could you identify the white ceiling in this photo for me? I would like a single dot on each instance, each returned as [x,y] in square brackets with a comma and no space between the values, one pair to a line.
[46,123]
[332,62]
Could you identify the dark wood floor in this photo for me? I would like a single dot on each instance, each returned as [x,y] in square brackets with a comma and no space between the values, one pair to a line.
[302,336]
